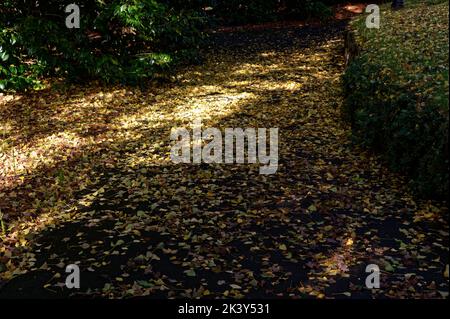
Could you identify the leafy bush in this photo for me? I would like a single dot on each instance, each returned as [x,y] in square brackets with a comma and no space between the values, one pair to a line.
[12,72]
[397,93]
[118,40]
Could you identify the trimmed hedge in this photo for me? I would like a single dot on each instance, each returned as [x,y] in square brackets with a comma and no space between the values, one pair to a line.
[396,92]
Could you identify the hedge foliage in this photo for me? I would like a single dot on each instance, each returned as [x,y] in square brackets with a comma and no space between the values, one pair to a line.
[397,92]
[118,40]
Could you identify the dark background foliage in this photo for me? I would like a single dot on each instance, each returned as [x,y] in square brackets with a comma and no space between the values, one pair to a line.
[120,40]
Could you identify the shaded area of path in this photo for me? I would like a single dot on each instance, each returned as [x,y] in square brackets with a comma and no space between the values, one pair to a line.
[147,227]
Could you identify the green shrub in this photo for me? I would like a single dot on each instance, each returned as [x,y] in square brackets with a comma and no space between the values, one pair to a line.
[14,73]
[397,93]
[118,40]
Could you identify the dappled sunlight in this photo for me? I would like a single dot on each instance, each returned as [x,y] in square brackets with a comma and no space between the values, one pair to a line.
[65,129]
[65,135]
[355,8]
[96,160]
[20,161]
[77,126]
[269,54]
[4,99]
[214,106]
[340,261]
[346,11]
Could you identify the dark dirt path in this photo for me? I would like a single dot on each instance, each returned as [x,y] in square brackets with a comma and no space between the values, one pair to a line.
[140,225]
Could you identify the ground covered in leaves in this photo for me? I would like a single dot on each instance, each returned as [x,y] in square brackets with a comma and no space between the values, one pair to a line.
[87,179]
